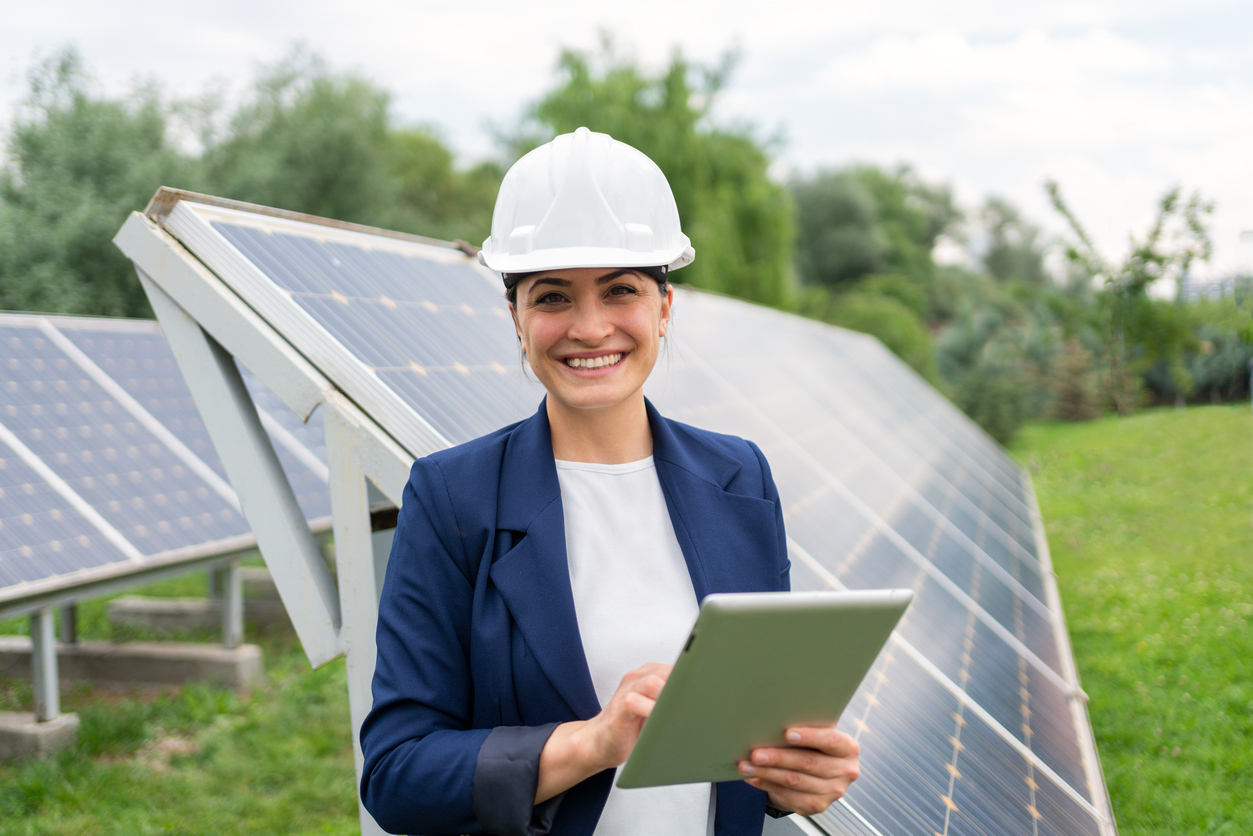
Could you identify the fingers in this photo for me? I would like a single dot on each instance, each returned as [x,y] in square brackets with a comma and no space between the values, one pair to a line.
[790,780]
[807,804]
[811,776]
[638,704]
[644,671]
[808,761]
[827,739]
[640,689]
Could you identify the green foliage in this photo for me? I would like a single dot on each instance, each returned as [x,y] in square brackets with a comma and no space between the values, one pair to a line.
[306,139]
[1014,249]
[436,198]
[861,220]
[898,287]
[1073,386]
[314,141]
[1148,524]
[310,141]
[995,398]
[78,163]
[1137,332]
[838,237]
[739,220]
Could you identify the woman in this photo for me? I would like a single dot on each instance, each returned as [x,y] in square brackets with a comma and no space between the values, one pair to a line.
[542,576]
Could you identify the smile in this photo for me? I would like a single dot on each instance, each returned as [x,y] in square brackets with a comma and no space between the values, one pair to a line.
[594,362]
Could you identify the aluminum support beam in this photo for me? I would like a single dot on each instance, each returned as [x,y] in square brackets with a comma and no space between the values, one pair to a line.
[302,578]
[43,666]
[69,623]
[358,580]
[232,606]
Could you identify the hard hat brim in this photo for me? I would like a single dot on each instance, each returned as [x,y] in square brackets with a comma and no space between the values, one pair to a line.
[565,258]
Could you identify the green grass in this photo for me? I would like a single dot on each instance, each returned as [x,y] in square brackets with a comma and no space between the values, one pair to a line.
[1150,524]
[192,760]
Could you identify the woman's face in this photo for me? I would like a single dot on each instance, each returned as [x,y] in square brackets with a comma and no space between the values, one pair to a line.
[591,334]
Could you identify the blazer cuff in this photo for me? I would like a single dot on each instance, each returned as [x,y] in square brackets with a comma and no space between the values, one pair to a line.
[506,774]
[776,814]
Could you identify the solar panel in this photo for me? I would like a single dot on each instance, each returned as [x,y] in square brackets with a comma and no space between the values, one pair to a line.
[105,465]
[971,722]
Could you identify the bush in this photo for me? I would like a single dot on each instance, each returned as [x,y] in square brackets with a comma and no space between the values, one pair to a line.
[995,397]
[1073,386]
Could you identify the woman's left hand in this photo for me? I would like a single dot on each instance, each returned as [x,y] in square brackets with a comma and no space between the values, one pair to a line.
[808,778]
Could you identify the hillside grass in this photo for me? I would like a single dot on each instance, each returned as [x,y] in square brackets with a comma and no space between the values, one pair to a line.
[1150,525]
[195,759]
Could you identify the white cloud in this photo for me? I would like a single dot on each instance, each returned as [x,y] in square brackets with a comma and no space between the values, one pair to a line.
[948,63]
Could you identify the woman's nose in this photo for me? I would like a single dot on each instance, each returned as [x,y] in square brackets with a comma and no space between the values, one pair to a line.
[591,324]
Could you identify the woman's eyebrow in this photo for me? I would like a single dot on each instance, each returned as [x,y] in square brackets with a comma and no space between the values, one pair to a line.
[552,280]
[608,277]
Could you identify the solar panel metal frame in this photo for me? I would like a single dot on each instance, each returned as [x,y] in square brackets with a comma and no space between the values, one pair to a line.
[400,430]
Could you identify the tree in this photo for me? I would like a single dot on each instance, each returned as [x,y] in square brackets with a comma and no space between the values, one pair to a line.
[77,165]
[1014,250]
[308,140]
[862,221]
[912,215]
[1136,331]
[838,239]
[739,220]
[435,198]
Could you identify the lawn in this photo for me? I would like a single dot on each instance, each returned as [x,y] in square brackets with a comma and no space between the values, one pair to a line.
[195,760]
[1150,524]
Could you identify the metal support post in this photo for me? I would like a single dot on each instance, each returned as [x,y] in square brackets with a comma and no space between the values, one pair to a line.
[69,623]
[43,665]
[232,605]
[358,582]
[213,586]
[265,495]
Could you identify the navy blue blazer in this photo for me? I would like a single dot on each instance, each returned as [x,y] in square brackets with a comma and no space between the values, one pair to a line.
[477,635]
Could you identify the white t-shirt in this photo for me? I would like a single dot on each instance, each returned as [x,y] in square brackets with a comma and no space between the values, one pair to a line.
[635,604]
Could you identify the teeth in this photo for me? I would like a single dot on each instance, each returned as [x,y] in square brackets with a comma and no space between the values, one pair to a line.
[593,362]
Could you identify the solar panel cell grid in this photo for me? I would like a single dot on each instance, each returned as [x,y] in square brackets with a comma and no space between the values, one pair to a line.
[39,531]
[415,339]
[97,447]
[150,496]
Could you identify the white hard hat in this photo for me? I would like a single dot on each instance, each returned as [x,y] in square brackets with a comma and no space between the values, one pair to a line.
[585,200]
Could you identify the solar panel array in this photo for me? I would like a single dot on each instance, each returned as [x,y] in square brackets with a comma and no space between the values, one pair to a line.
[967,723]
[104,461]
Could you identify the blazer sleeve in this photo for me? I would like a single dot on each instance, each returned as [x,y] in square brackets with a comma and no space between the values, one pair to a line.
[420,752]
[771,493]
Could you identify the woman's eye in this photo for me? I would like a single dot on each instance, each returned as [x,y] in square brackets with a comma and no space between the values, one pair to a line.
[621,290]
[550,299]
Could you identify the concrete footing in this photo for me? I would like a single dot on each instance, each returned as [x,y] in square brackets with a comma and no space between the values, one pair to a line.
[142,664]
[21,738]
[190,613]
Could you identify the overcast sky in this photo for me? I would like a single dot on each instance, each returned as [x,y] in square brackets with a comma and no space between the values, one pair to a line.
[1115,100]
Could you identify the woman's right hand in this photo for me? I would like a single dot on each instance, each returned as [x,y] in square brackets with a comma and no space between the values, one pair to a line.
[580,749]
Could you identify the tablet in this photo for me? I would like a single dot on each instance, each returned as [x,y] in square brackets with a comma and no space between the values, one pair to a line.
[754,665]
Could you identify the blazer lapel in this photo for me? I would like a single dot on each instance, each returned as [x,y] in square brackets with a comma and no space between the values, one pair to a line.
[725,537]
[533,577]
